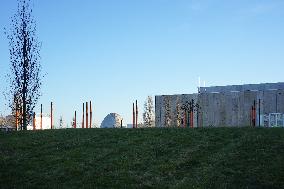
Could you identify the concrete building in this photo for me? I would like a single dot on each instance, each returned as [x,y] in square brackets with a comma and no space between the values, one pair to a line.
[236,105]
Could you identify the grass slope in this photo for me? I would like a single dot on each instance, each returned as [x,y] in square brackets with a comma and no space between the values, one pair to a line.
[143,158]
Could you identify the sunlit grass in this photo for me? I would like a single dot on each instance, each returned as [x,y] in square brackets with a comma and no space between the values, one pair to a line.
[143,158]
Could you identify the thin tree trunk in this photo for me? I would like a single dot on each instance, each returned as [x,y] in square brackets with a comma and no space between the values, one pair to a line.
[25,78]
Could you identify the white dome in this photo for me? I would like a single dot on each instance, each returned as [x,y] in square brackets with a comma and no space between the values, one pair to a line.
[112,120]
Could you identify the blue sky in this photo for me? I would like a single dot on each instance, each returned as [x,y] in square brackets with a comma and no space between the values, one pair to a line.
[115,51]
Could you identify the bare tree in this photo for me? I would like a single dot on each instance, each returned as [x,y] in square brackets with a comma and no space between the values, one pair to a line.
[178,115]
[25,76]
[148,115]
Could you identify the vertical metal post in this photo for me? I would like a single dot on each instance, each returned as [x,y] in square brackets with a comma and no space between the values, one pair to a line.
[75,120]
[87,116]
[185,120]
[191,124]
[51,115]
[259,112]
[91,114]
[188,118]
[17,119]
[34,120]
[201,119]
[41,117]
[254,113]
[121,123]
[250,123]
[252,116]
[178,120]
[22,119]
[136,114]
[191,113]
[83,116]
[197,117]
[133,117]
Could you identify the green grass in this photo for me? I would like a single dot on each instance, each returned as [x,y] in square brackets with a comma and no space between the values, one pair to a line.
[143,158]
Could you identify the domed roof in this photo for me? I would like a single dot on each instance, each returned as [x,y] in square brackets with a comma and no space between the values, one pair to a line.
[112,120]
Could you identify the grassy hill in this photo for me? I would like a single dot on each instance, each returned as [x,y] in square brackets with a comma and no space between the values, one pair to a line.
[143,158]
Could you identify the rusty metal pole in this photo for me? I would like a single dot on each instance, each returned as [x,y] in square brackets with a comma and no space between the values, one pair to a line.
[201,119]
[191,119]
[136,115]
[251,115]
[184,118]
[254,113]
[190,116]
[91,114]
[87,116]
[197,117]
[83,116]
[188,119]
[133,117]
[22,121]
[41,117]
[254,116]
[258,112]
[17,117]
[34,120]
[192,113]
[51,115]
[75,120]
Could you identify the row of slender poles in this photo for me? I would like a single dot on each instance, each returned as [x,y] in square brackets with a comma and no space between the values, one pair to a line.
[135,116]
[189,113]
[85,124]
[34,125]
[253,114]
[188,117]
[51,117]
[88,110]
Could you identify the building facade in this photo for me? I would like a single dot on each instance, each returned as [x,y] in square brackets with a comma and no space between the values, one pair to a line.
[236,105]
